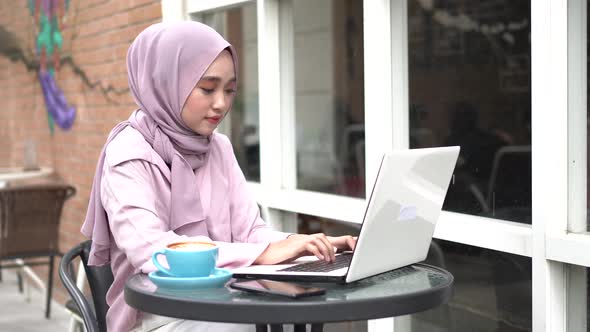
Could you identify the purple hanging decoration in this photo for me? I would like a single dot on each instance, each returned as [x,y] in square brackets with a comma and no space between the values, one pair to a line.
[49,43]
[55,101]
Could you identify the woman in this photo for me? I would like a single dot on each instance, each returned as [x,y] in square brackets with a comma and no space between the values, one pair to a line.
[165,175]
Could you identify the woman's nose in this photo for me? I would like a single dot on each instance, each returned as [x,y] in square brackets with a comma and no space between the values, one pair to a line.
[219,102]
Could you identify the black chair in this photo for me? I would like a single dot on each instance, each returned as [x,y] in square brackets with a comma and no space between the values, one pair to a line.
[29,227]
[510,179]
[99,278]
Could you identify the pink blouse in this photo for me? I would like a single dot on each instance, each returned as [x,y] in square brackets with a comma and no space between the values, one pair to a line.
[138,219]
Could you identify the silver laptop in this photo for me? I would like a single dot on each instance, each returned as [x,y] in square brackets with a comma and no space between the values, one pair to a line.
[398,225]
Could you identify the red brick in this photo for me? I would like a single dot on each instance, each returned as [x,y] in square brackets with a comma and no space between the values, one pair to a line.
[150,12]
[96,37]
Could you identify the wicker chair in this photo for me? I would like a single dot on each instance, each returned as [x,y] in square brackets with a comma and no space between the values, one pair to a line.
[29,227]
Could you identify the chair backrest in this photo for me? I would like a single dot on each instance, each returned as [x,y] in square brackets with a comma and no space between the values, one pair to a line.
[66,274]
[29,219]
[510,178]
[264,213]
[99,278]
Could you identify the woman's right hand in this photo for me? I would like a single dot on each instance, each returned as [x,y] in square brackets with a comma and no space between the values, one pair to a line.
[297,245]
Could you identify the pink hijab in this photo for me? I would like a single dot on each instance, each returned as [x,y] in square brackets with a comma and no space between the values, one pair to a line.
[164,63]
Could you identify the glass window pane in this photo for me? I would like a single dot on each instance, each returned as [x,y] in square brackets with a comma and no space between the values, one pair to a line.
[469,83]
[308,224]
[329,95]
[238,26]
[492,291]
[578,298]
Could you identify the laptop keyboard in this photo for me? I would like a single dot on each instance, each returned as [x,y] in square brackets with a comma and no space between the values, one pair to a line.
[341,261]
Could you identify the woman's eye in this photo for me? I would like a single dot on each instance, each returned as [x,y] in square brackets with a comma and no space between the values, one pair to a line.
[230,91]
[207,91]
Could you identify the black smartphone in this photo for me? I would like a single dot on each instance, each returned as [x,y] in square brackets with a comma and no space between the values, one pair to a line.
[273,287]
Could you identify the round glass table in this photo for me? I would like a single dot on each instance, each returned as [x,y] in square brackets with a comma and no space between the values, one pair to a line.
[399,292]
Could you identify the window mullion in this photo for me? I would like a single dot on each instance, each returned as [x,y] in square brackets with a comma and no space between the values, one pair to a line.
[269,92]
[269,67]
[287,108]
[577,100]
[549,156]
[577,166]
[400,124]
[378,85]
[377,25]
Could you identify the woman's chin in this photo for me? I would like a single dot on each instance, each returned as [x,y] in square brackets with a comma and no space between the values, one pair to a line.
[204,131]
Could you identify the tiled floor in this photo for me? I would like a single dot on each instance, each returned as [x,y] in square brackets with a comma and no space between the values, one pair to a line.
[19,315]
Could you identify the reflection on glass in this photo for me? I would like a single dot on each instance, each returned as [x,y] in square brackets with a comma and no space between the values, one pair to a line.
[238,26]
[492,291]
[469,77]
[307,224]
[578,298]
[329,96]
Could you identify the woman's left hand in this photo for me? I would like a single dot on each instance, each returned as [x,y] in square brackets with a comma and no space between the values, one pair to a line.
[297,245]
[345,242]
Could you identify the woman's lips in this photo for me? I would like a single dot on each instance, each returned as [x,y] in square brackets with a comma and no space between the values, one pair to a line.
[214,119]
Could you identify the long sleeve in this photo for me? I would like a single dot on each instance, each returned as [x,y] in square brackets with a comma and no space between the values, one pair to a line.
[135,193]
[130,200]
[136,197]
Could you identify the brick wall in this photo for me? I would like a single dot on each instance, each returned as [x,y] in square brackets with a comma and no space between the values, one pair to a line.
[96,37]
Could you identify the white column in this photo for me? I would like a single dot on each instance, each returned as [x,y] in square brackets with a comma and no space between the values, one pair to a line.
[271,117]
[379,119]
[549,158]
[399,75]
[269,93]
[378,84]
[577,166]
[287,108]
[399,126]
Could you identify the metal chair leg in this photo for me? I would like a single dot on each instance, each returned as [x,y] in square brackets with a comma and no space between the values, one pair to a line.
[317,327]
[276,327]
[299,328]
[49,287]
[19,278]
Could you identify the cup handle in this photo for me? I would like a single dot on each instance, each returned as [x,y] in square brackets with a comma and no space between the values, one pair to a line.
[158,265]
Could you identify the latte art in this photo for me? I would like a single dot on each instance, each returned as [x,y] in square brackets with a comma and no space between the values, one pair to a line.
[191,245]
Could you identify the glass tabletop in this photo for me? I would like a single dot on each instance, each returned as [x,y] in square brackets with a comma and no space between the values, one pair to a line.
[401,291]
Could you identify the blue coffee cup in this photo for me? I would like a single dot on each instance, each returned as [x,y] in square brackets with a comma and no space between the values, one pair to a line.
[187,259]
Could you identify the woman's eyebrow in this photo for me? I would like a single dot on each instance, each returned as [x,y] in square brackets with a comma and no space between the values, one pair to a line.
[216,79]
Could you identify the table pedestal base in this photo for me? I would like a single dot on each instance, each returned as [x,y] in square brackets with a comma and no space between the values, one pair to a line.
[317,327]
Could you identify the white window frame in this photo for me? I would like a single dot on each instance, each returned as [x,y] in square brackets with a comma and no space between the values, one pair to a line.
[558,82]
[567,239]
[549,156]
[386,119]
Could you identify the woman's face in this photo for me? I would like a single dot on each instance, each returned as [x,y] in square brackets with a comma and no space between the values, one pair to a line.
[212,97]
